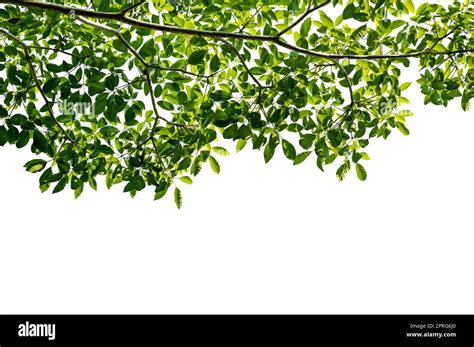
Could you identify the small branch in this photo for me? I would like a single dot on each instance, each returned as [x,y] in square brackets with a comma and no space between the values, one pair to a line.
[346,76]
[367,57]
[160,158]
[302,17]
[55,50]
[442,38]
[159,67]
[14,38]
[244,64]
[250,19]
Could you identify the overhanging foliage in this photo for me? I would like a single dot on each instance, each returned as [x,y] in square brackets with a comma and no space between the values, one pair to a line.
[141,91]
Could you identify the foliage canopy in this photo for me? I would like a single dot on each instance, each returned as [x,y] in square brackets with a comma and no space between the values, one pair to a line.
[141,91]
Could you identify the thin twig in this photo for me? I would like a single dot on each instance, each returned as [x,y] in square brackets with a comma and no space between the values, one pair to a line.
[302,17]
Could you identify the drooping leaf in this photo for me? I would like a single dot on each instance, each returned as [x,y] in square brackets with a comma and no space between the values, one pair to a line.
[361,173]
[178,198]
[214,165]
[289,150]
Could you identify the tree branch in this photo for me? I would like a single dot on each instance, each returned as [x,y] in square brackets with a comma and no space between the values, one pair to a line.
[250,19]
[333,57]
[117,16]
[346,76]
[55,50]
[242,60]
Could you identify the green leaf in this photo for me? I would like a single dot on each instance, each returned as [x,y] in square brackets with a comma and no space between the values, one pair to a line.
[137,183]
[405,85]
[78,191]
[231,132]
[61,185]
[241,143]
[301,157]
[165,105]
[403,129]
[197,57]
[219,95]
[214,165]
[289,150]
[35,165]
[349,11]
[343,170]
[305,27]
[215,63]
[42,144]
[410,6]
[51,84]
[221,151]
[268,152]
[436,99]
[178,198]
[198,41]
[361,173]
[148,49]
[326,20]
[161,190]
[186,179]
[109,131]
[3,112]
[196,167]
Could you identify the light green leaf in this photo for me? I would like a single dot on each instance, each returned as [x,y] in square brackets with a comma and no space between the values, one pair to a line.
[178,198]
[326,20]
[403,129]
[214,165]
[361,173]
[186,179]
[410,6]
[221,151]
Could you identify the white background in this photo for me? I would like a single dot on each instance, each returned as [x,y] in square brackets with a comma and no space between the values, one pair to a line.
[257,238]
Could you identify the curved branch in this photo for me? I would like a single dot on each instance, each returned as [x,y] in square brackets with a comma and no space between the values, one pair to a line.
[55,50]
[118,16]
[349,84]
[333,57]
[242,60]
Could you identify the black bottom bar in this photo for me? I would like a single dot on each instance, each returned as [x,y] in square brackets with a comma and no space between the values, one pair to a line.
[237,330]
